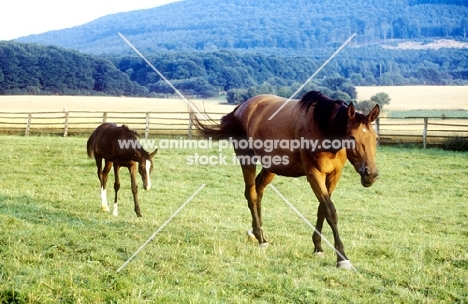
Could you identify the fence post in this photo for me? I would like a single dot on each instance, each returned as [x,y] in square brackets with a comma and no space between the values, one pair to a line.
[65,129]
[28,125]
[147,125]
[104,117]
[377,130]
[425,132]
[190,127]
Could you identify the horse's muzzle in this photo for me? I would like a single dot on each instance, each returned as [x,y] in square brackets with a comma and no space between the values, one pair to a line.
[368,176]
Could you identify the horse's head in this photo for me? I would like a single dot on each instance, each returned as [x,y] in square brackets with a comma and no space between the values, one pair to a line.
[361,151]
[145,167]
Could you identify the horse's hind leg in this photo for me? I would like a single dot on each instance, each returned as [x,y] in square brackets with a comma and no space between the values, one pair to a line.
[102,175]
[253,193]
[261,181]
[250,194]
[116,188]
[105,175]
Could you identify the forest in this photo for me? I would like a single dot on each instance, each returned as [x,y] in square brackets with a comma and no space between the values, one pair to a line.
[284,28]
[34,69]
[242,48]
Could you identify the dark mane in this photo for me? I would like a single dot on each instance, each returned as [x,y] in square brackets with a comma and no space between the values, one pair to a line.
[331,115]
[128,131]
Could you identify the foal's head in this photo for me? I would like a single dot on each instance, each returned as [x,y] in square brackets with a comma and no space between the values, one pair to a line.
[145,167]
[361,152]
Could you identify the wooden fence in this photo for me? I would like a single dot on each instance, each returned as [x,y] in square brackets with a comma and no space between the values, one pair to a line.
[427,131]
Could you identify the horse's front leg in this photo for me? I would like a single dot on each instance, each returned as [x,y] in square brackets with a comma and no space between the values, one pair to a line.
[133,172]
[330,183]
[116,188]
[327,211]
[103,175]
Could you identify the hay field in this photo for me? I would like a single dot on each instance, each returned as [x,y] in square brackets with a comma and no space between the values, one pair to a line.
[402,98]
[167,116]
[419,97]
[104,104]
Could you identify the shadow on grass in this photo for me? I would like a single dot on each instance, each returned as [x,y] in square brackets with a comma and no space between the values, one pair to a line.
[12,296]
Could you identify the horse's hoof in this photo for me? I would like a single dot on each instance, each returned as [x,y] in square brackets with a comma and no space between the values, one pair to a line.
[319,254]
[106,209]
[345,264]
[251,235]
[264,245]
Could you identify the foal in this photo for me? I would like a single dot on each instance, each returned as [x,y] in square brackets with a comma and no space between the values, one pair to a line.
[119,147]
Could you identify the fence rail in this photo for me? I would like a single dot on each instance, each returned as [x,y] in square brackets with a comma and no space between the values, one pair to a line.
[414,130]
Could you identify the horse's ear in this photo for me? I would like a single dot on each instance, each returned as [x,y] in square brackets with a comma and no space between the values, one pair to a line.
[153,153]
[351,111]
[374,113]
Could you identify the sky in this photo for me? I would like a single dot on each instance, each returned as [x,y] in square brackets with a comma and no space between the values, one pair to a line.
[20,18]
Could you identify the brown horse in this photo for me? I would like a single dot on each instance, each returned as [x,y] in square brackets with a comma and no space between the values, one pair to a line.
[313,136]
[119,146]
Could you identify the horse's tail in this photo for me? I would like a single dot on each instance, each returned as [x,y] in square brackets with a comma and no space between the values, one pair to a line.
[229,127]
[89,145]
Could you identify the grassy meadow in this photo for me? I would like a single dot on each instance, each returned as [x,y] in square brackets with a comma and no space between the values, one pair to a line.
[407,235]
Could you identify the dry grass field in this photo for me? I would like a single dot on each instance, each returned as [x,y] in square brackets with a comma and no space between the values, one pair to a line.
[103,104]
[420,97]
[402,98]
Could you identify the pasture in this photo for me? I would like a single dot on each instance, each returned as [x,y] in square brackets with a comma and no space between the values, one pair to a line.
[407,235]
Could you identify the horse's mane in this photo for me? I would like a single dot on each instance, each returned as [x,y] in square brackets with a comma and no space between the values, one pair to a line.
[128,131]
[330,115]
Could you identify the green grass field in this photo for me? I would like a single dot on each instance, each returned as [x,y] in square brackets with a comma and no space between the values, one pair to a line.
[407,235]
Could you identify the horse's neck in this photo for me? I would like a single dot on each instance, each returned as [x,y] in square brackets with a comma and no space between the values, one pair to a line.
[138,155]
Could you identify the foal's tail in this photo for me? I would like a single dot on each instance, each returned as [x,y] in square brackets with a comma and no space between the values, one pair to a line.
[229,127]
[89,147]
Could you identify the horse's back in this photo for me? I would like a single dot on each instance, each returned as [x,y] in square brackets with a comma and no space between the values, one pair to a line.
[256,112]
[102,142]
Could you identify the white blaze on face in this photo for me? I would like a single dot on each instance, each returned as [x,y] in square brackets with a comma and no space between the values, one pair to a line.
[148,170]
[364,130]
[104,205]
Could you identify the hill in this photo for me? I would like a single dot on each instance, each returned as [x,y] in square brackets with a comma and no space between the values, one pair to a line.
[34,69]
[267,26]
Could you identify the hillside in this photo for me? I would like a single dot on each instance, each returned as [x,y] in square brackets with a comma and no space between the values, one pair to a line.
[267,26]
[243,48]
[33,69]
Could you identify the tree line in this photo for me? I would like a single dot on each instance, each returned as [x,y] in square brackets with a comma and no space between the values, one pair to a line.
[34,70]
[241,75]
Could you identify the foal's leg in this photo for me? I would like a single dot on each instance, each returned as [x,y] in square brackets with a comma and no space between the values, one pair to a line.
[103,175]
[116,188]
[317,181]
[330,183]
[133,172]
